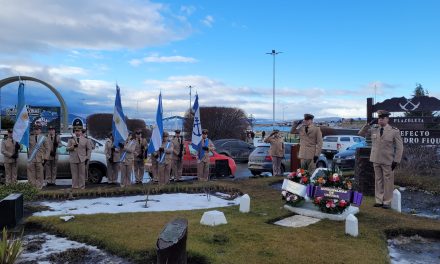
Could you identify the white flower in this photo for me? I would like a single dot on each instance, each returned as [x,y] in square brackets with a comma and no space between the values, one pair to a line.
[284,193]
[295,197]
[288,198]
[298,175]
[327,205]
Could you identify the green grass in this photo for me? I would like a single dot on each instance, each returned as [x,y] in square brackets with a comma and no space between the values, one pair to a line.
[424,182]
[247,238]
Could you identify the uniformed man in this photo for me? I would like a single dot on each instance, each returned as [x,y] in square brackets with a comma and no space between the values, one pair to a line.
[178,152]
[91,147]
[37,155]
[276,151]
[127,159]
[79,148]
[164,158]
[10,151]
[50,167]
[203,162]
[386,153]
[112,155]
[139,167]
[310,142]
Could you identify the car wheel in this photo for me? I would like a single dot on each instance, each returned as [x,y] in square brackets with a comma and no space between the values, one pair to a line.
[95,174]
[2,175]
[255,173]
[321,164]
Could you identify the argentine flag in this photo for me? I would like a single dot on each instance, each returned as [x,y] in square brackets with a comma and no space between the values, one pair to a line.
[197,126]
[119,127]
[21,126]
[156,137]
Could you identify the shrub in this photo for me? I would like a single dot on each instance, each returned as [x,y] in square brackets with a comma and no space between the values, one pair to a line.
[10,249]
[29,192]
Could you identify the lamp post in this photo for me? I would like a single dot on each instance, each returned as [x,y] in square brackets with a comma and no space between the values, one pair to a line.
[273,53]
[284,108]
[190,94]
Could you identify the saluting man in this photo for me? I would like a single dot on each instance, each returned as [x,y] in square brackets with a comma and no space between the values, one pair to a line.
[112,155]
[10,151]
[164,157]
[310,142]
[78,147]
[35,167]
[139,167]
[50,168]
[276,151]
[178,150]
[203,162]
[386,154]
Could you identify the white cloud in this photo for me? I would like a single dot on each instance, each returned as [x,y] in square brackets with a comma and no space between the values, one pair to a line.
[42,25]
[208,21]
[155,58]
[67,70]
[187,10]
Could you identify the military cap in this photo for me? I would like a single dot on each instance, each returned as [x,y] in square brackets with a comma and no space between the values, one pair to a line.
[383,113]
[165,134]
[51,127]
[308,116]
[276,131]
[205,131]
[138,131]
[36,127]
[77,124]
[177,131]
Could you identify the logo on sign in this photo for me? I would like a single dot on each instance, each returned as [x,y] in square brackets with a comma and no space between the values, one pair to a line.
[409,105]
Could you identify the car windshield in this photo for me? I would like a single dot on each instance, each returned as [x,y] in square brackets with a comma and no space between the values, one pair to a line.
[355,146]
[261,150]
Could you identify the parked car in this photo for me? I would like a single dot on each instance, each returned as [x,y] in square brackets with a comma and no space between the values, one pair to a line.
[97,165]
[220,165]
[234,148]
[334,143]
[345,160]
[260,161]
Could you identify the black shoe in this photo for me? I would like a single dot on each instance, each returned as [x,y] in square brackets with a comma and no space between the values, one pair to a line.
[378,205]
[386,206]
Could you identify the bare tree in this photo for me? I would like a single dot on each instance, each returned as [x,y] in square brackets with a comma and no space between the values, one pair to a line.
[222,122]
[100,124]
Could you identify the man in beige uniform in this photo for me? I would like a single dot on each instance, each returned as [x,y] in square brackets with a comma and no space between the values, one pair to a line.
[10,151]
[50,168]
[78,146]
[177,165]
[276,151]
[127,160]
[203,161]
[112,155]
[35,167]
[91,147]
[310,142]
[386,153]
[139,167]
[164,158]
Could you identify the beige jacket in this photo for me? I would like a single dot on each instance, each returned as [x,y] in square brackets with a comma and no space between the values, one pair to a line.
[129,148]
[81,152]
[168,153]
[8,150]
[310,143]
[108,151]
[386,148]
[50,141]
[177,143]
[211,147]
[140,147]
[276,145]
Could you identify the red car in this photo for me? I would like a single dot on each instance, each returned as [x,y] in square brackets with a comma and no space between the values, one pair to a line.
[221,165]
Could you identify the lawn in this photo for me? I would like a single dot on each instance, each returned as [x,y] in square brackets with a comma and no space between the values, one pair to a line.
[247,238]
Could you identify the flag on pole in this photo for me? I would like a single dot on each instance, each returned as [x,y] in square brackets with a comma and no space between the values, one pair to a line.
[156,137]
[119,126]
[197,126]
[21,127]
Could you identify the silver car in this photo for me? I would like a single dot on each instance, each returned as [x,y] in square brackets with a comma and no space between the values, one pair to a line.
[97,163]
[260,161]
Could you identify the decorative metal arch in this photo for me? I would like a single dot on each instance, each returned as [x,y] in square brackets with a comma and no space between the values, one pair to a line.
[64,113]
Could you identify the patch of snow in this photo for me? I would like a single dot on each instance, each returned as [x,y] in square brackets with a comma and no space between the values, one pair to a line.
[67,218]
[51,244]
[128,204]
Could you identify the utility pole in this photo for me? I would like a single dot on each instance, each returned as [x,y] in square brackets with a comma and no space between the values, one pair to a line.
[190,96]
[273,53]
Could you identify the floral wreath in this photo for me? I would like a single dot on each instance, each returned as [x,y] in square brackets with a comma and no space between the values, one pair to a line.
[301,176]
[330,205]
[291,198]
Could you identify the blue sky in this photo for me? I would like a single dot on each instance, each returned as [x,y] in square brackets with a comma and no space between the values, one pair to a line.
[334,53]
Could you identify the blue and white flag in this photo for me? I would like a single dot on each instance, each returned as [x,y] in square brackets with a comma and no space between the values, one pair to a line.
[21,126]
[156,137]
[197,126]
[119,126]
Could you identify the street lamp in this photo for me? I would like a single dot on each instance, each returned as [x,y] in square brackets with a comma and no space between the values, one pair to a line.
[273,53]
[190,90]
[284,108]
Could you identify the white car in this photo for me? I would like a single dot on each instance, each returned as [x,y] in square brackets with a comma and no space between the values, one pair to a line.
[335,143]
[97,163]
